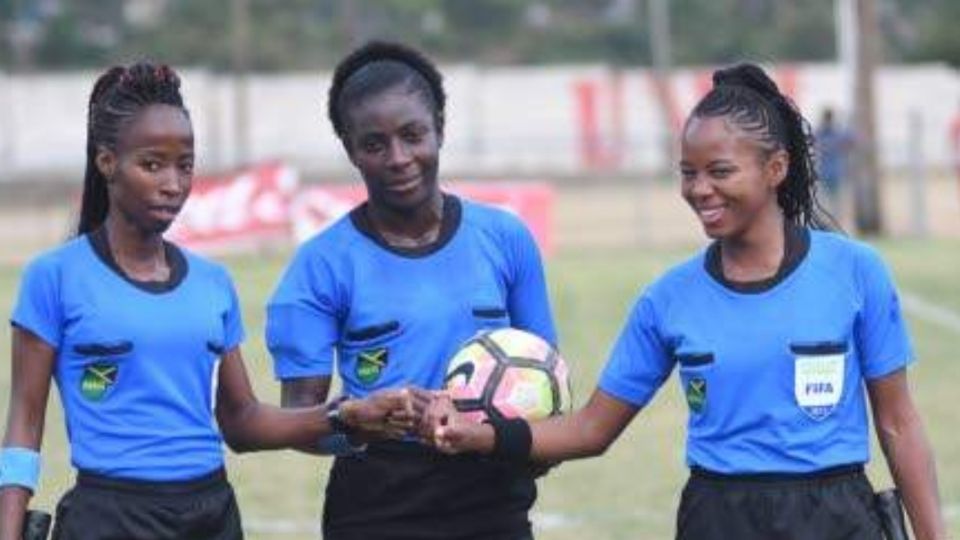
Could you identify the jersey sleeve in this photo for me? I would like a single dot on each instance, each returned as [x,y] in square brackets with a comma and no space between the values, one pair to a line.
[528,301]
[639,362]
[39,309]
[302,325]
[233,331]
[881,331]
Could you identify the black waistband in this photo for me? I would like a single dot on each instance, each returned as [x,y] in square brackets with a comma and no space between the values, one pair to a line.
[830,472]
[215,479]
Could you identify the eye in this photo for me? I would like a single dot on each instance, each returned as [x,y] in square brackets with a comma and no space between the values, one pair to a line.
[413,136]
[186,167]
[151,165]
[687,174]
[371,146]
[721,173]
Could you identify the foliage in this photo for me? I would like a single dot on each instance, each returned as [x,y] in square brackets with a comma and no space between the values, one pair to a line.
[306,34]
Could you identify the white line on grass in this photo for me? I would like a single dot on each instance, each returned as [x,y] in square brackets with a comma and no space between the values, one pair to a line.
[930,312]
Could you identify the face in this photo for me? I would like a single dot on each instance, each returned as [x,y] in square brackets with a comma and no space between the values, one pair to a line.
[728,179]
[392,139]
[150,172]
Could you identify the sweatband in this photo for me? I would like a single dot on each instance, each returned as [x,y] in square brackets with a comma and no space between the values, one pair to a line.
[512,439]
[338,445]
[19,467]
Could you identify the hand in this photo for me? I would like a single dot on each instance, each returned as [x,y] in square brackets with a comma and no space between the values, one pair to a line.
[449,432]
[386,413]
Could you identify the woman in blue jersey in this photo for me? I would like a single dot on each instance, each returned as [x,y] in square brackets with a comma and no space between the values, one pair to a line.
[388,293]
[781,331]
[142,339]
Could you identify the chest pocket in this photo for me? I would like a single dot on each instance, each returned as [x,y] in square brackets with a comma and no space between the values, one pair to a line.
[102,365]
[695,378]
[366,351]
[490,317]
[818,376]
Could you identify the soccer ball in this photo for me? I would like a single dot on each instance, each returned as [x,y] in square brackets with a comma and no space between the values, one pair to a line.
[508,373]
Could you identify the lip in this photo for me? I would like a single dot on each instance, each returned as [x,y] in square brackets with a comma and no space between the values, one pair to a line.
[710,215]
[403,185]
[165,211]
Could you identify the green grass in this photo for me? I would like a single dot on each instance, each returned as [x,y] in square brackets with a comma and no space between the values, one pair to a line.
[632,491]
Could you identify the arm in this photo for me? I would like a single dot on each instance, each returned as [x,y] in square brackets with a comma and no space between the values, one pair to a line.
[908,453]
[250,425]
[32,366]
[305,392]
[585,433]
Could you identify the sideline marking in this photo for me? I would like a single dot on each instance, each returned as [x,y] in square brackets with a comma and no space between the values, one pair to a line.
[930,312]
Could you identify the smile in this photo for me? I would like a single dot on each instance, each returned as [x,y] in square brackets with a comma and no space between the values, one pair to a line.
[711,215]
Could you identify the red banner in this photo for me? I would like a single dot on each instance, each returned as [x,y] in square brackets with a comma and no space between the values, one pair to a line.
[265,204]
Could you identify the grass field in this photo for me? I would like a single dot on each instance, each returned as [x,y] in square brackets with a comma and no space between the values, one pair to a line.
[632,491]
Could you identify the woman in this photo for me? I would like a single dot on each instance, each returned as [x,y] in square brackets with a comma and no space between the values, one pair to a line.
[143,340]
[776,327]
[391,291]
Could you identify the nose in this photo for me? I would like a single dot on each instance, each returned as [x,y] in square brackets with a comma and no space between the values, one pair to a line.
[398,155]
[173,183]
[697,186]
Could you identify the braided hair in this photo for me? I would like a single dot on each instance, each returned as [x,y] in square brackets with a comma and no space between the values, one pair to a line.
[375,67]
[118,96]
[751,100]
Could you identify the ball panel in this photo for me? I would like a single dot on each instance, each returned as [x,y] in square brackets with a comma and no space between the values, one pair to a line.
[509,373]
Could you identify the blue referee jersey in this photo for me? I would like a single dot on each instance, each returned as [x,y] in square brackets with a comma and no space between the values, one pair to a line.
[774,378]
[136,364]
[389,317]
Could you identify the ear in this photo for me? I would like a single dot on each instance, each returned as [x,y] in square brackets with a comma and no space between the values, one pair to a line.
[776,168]
[106,162]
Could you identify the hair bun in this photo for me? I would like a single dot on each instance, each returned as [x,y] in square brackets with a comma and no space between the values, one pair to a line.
[747,75]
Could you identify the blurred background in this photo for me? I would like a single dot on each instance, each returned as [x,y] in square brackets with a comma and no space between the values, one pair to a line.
[566,111]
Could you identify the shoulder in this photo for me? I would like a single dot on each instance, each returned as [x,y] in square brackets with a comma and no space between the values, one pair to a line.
[679,277]
[837,248]
[199,266]
[69,253]
[492,219]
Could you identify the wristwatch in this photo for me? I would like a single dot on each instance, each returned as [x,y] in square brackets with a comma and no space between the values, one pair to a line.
[337,424]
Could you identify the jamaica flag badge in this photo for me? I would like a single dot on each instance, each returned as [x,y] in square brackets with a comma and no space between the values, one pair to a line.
[97,379]
[697,394]
[371,363]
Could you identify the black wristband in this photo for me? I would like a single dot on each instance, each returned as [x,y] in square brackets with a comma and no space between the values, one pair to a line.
[512,439]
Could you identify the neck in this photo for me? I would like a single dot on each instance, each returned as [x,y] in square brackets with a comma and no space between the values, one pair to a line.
[757,253]
[414,228]
[140,255]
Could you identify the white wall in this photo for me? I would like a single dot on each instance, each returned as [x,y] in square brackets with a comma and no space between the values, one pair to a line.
[500,120]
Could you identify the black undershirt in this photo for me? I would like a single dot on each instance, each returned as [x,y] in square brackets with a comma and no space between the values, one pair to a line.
[175,259]
[795,249]
[449,223]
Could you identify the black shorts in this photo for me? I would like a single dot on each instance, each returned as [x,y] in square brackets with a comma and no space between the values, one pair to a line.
[836,503]
[403,491]
[101,508]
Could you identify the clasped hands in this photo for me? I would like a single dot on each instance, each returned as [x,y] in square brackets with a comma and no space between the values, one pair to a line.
[426,415]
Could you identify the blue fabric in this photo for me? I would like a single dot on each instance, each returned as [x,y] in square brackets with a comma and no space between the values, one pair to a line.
[743,353]
[135,369]
[388,319]
[19,467]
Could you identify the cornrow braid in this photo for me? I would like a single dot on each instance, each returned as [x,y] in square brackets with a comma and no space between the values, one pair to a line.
[377,66]
[752,101]
[118,95]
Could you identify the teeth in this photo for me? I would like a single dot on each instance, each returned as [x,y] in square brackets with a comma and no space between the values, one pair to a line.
[710,214]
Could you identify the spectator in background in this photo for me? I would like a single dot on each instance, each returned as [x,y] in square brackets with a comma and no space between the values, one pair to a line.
[834,145]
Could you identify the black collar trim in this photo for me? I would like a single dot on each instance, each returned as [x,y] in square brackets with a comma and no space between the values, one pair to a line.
[796,247]
[452,215]
[175,258]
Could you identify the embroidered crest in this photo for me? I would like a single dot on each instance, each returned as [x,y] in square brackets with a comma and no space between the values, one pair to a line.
[818,383]
[371,363]
[697,394]
[97,379]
